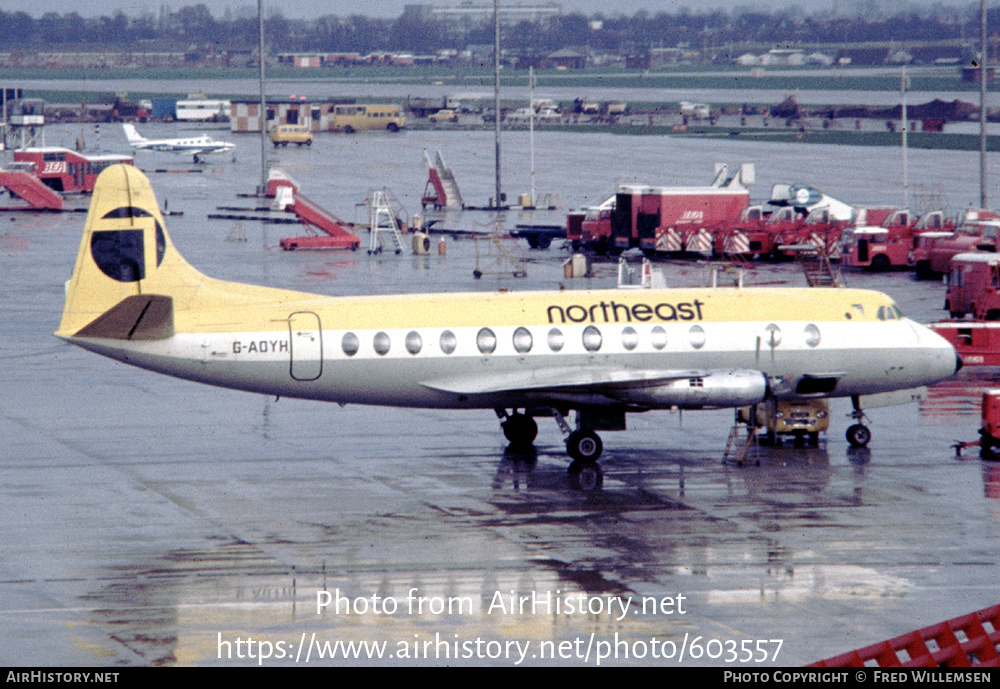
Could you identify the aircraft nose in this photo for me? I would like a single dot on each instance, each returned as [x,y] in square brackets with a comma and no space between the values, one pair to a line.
[958,362]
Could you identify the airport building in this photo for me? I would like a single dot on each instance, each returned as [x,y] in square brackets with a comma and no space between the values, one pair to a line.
[470,13]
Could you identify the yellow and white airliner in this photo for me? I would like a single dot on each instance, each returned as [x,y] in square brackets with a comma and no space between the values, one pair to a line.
[599,353]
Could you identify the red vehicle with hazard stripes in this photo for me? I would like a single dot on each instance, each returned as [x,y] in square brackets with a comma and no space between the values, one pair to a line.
[672,219]
[755,232]
[661,219]
[67,171]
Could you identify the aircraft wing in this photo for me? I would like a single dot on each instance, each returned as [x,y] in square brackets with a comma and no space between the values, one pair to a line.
[589,379]
[616,386]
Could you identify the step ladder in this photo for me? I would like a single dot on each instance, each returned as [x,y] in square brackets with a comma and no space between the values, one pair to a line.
[381,221]
[816,266]
[742,440]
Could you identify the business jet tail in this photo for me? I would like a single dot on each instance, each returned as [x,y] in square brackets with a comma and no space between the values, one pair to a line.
[133,136]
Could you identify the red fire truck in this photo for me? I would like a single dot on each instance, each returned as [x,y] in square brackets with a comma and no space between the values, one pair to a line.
[974,286]
[932,251]
[887,245]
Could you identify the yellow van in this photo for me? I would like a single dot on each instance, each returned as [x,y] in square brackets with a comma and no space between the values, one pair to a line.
[284,134]
[802,419]
[356,118]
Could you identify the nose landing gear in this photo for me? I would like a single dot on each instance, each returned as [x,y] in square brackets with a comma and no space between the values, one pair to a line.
[858,435]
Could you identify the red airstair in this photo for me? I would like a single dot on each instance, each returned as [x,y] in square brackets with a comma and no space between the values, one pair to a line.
[967,641]
[31,190]
[327,230]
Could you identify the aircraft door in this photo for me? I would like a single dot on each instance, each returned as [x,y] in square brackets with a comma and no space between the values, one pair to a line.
[306,346]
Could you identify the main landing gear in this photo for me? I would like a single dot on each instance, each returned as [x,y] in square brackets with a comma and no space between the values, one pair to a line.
[858,435]
[520,429]
[582,444]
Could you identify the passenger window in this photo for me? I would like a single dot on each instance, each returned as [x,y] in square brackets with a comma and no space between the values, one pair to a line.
[448,342]
[414,342]
[486,341]
[658,336]
[630,338]
[381,343]
[812,335]
[556,339]
[592,339]
[350,344]
[522,340]
[773,338]
[696,336]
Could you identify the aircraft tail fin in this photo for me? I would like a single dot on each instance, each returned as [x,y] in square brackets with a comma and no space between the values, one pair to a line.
[132,134]
[128,275]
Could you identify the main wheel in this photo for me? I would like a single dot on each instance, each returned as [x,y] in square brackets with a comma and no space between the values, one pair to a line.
[858,435]
[520,429]
[584,446]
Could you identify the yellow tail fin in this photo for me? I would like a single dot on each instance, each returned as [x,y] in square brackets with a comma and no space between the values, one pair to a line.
[128,274]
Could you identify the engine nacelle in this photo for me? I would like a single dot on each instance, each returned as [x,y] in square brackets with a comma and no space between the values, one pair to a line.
[739,388]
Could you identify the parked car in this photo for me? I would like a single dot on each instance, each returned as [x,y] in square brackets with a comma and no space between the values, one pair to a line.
[445,115]
[520,115]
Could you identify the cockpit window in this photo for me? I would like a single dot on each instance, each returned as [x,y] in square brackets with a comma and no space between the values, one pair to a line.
[889,313]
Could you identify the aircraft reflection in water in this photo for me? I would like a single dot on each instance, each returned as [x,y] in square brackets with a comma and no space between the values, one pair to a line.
[602,354]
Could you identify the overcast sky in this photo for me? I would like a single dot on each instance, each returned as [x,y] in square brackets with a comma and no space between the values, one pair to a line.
[393,8]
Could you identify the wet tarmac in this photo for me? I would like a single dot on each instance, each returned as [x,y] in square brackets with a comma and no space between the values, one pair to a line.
[152,521]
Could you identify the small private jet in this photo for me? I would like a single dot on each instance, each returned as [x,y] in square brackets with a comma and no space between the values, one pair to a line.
[600,353]
[197,146]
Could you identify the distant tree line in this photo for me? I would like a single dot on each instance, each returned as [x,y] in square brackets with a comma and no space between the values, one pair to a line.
[711,32]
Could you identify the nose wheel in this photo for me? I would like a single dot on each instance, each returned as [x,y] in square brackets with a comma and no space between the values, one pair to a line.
[858,435]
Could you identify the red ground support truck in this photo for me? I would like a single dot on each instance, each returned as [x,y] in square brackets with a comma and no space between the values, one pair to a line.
[932,252]
[661,219]
[887,245]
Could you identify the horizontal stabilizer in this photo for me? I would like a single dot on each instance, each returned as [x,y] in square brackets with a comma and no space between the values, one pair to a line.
[139,317]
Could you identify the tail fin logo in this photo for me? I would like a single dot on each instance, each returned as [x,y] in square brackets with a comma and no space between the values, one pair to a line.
[121,254]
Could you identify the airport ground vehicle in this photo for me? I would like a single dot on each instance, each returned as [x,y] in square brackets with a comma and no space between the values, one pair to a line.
[888,245]
[977,230]
[974,286]
[445,115]
[284,134]
[64,170]
[662,219]
[803,419]
[356,118]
